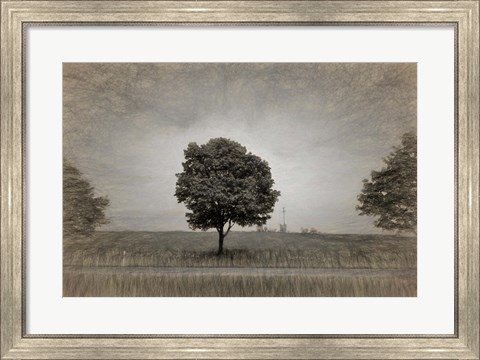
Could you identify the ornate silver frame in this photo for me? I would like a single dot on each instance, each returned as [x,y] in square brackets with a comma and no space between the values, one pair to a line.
[16,344]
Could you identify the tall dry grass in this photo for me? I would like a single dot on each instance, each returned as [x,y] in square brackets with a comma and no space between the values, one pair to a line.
[341,258]
[148,285]
[178,249]
[243,250]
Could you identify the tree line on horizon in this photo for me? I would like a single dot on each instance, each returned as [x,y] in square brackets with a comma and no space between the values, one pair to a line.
[222,185]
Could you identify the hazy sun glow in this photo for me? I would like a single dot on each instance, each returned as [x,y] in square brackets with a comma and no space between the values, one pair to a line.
[321,127]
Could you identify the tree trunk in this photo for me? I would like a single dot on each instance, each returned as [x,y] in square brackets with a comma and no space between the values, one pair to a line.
[221,236]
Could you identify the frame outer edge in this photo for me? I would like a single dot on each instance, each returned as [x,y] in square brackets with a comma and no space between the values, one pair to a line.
[472,322]
[7,319]
[468,120]
[238,11]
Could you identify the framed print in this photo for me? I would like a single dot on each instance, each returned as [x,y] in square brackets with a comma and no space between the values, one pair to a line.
[294,179]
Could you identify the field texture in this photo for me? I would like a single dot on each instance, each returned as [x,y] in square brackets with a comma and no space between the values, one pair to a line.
[254,264]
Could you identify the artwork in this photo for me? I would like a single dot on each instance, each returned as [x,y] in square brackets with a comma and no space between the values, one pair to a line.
[239,179]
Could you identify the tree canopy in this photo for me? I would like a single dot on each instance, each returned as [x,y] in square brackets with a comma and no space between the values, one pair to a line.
[82,211]
[391,194]
[222,185]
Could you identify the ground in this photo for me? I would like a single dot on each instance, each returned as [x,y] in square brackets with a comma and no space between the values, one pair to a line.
[254,264]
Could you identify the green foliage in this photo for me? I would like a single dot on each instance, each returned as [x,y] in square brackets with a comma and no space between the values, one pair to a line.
[391,194]
[82,211]
[223,184]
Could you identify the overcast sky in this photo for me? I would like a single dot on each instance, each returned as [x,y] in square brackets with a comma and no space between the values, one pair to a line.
[321,127]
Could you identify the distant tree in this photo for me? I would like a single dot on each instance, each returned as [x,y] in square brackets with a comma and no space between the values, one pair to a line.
[304,230]
[313,230]
[261,228]
[82,211]
[222,185]
[391,194]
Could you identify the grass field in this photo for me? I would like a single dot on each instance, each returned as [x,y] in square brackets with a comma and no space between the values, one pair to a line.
[243,250]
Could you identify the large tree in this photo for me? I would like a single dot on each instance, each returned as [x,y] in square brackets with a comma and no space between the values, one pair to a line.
[391,194]
[82,210]
[222,185]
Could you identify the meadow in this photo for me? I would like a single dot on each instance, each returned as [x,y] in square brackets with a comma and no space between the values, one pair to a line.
[92,264]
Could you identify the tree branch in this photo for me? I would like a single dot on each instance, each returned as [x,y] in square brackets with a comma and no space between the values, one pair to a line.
[230,225]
